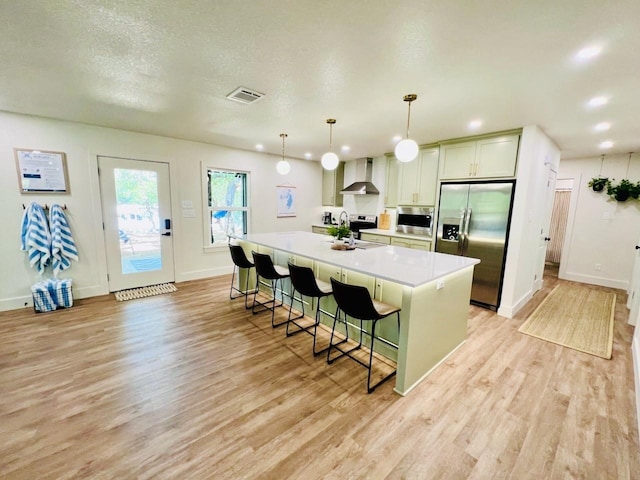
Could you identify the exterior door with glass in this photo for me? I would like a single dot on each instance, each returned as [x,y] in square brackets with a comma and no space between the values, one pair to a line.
[136,209]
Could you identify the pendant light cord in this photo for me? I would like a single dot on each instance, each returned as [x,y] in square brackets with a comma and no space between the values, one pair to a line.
[283,135]
[601,162]
[629,163]
[331,137]
[408,119]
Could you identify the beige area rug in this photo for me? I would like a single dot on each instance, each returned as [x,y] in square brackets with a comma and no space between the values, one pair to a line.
[576,317]
[142,292]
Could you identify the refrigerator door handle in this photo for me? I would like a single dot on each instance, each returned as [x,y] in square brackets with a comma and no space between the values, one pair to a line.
[463,214]
[467,219]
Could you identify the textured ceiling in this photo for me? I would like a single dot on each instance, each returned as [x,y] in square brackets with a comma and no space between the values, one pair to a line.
[165,67]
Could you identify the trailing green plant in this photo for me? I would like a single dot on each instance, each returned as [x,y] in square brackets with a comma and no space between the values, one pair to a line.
[623,190]
[339,231]
[598,184]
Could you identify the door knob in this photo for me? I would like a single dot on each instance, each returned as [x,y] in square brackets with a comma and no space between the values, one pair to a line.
[166,234]
[637,247]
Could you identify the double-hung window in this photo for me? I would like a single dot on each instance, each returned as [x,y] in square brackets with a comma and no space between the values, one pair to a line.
[228,204]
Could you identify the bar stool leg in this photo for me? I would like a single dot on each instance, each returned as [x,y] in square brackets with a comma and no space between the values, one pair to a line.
[291,320]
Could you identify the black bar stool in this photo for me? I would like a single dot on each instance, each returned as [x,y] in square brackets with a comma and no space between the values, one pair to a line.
[240,260]
[306,284]
[355,301]
[274,273]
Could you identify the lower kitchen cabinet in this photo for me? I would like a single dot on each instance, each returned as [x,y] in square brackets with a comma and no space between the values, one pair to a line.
[374,237]
[320,230]
[411,243]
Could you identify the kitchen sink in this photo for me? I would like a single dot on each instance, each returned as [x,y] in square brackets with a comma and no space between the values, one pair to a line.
[368,245]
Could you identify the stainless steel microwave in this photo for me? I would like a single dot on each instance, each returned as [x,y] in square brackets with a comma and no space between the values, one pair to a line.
[415,220]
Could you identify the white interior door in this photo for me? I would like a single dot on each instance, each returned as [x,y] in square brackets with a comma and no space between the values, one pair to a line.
[136,209]
[634,290]
[544,229]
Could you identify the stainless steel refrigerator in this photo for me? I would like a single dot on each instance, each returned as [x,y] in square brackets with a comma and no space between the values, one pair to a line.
[473,221]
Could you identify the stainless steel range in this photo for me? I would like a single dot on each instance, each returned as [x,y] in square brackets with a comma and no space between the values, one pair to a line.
[362,222]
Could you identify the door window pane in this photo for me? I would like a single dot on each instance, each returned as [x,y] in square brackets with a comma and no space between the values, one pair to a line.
[138,220]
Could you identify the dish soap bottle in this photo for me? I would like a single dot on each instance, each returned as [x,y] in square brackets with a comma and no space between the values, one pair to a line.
[352,241]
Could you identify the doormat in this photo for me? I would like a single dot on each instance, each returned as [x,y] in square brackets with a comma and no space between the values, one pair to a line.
[576,317]
[142,292]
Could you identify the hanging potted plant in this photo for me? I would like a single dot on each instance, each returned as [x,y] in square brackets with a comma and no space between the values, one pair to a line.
[597,184]
[623,190]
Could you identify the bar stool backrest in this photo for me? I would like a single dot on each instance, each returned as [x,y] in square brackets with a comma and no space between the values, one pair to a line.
[238,256]
[264,266]
[304,281]
[354,300]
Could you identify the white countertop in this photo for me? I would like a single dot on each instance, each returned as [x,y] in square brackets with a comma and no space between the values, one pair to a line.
[397,264]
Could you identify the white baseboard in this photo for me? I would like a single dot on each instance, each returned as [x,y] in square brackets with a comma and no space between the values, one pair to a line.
[635,350]
[509,311]
[593,280]
[199,274]
[26,301]
[417,382]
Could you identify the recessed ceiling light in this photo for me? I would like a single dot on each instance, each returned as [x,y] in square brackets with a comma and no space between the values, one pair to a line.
[598,101]
[589,52]
[602,126]
[606,144]
[346,148]
[307,155]
[259,146]
[397,138]
[473,124]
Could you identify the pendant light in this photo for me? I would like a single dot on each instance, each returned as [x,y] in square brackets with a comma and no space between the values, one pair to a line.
[283,166]
[407,149]
[330,160]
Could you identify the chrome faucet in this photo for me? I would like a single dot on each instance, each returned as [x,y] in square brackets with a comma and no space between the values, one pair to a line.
[346,218]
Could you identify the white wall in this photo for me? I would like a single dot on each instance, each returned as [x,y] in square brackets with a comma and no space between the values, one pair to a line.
[600,230]
[82,145]
[537,155]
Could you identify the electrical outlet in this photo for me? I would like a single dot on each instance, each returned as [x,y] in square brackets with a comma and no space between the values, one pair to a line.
[440,284]
[598,267]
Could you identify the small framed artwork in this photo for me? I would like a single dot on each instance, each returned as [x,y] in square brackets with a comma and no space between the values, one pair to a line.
[286,198]
[41,171]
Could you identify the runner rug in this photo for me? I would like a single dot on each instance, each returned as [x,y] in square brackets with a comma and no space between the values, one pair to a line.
[142,292]
[576,317]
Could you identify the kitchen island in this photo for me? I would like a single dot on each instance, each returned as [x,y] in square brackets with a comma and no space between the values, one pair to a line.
[433,290]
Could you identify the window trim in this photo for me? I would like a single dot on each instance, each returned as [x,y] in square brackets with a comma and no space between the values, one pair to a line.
[206,209]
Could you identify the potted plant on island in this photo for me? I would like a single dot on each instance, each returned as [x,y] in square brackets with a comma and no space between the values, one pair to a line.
[338,232]
[597,184]
[623,190]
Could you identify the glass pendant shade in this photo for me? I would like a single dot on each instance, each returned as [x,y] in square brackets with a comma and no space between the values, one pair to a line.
[406,150]
[283,167]
[329,161]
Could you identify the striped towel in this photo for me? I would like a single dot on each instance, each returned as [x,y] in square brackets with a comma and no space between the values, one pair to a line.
[63,248]
[35,237]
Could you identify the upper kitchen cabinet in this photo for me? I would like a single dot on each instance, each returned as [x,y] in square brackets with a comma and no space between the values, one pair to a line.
[391,187]
[493,157]
[417,179]
[332,183]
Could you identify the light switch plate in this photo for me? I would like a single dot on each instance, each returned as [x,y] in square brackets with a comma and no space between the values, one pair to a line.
[187,204]
[189,213]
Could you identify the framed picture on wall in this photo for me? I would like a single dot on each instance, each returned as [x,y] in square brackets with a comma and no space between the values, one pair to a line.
[286,200]
[41,171]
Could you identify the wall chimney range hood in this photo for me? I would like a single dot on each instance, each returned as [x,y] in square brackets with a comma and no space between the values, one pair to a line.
[364,167]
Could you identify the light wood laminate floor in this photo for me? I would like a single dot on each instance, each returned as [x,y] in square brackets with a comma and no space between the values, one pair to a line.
[190,386]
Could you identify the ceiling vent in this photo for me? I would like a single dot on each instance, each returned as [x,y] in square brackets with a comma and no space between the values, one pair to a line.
[244,95]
